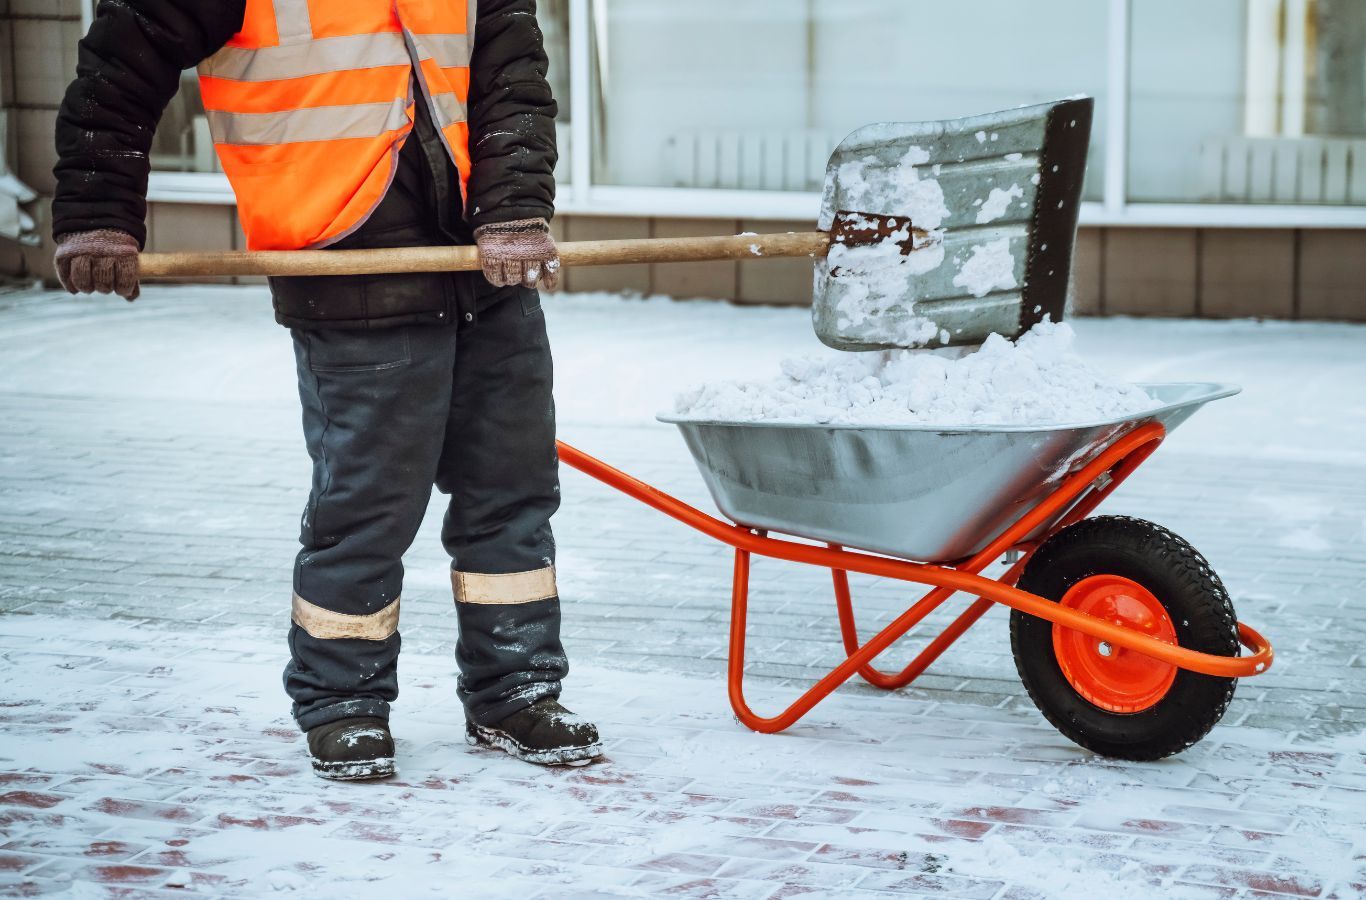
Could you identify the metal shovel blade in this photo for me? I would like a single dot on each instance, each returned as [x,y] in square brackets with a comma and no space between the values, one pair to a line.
[972,225]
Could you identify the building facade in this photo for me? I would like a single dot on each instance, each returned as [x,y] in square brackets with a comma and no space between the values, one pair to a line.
[1228,160]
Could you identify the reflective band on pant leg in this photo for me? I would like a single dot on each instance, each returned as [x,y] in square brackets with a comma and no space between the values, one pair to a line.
[326,625]
[516,587]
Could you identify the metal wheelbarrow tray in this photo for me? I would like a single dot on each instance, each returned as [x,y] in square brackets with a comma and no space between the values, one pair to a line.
[1122,634]
[921,492]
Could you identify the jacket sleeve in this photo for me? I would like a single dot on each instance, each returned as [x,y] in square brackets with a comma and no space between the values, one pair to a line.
[512,117]
[128,69]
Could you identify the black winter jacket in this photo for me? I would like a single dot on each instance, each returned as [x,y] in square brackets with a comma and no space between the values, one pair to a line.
[129,69]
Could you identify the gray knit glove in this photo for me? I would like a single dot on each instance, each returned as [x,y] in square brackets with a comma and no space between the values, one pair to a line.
[103,261]
[518,253]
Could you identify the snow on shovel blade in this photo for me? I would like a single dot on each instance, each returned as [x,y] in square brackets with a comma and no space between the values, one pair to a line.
[945,232]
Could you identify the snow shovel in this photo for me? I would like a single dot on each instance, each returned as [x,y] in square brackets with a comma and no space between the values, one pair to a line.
[931,233]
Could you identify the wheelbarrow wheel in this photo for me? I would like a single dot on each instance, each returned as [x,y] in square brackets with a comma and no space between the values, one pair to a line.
[1113,701]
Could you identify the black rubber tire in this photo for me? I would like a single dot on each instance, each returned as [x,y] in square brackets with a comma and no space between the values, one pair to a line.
[1195,600]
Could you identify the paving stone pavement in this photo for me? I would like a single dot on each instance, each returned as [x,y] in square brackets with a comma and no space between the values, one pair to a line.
[151,475]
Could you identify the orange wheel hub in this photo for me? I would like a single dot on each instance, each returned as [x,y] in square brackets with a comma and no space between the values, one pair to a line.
[1114,678]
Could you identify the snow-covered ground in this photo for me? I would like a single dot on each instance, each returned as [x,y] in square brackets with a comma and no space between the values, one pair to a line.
[153,765]
[151,473]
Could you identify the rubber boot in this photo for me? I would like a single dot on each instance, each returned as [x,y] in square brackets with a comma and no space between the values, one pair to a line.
[544,733]
[359,749]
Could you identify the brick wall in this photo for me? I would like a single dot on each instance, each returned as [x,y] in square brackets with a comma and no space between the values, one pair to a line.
[1216,273]
[1221,273]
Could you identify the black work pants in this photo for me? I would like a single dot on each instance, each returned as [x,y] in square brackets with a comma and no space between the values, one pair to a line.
[387,413]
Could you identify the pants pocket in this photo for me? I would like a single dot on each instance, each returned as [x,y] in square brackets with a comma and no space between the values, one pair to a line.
[531,301]
[340,351]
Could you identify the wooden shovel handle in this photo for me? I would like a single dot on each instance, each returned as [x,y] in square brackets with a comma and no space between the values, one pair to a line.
[466,259]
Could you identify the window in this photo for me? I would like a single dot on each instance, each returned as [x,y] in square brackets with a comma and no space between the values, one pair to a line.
[1248,101]
[553,16]
[755,95]
[182,142]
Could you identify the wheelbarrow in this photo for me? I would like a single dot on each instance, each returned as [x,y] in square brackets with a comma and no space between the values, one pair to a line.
[1123,635]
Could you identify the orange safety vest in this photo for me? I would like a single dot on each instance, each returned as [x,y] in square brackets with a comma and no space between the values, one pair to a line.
[311,101]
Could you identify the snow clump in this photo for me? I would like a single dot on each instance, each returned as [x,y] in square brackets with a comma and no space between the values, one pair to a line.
[990,268]
[879,279]
[1037,380]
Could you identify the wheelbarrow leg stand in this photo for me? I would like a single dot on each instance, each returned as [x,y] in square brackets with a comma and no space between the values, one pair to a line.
[888,682]
[858,658]
[736,663]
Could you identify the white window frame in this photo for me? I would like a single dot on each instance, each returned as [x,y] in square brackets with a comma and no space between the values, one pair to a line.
[582,197]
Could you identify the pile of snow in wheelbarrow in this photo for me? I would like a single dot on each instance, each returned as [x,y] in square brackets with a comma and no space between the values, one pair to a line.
[1037,380]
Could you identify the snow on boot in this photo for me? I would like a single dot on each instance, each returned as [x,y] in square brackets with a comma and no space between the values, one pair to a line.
[544,733]
[357,749]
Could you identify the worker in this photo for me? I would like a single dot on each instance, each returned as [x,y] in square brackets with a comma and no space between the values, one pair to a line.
[370,124]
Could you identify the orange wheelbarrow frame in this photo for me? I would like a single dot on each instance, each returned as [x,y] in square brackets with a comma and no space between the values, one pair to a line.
[1078,495]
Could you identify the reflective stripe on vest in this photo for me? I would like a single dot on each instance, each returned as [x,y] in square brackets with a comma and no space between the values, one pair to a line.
[320,123]
[292,21]
[310,101]
[339,54]
[450,109]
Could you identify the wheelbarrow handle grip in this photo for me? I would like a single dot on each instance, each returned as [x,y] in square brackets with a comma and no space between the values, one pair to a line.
[466,259]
